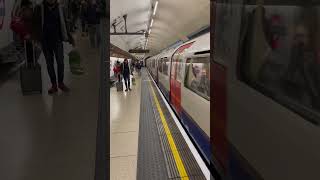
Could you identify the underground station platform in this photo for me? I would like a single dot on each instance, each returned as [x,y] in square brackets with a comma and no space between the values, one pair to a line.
[161,148]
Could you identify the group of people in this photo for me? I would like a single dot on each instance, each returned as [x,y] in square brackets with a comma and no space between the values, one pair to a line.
[123,70]
[89,13]
[46,24]
[285,61]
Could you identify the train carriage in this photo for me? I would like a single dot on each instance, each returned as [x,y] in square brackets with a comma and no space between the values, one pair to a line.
[182,74]
[265,71]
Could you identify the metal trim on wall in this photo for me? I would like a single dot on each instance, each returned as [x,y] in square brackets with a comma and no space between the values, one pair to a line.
[102,165]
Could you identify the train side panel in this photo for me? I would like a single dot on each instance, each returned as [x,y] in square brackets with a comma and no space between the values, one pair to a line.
[268,137]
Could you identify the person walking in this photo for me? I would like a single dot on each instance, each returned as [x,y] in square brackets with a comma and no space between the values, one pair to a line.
[138,67]
[126,72]
[52,31]
[83,17]
[116,70]
[93,20]
[75,9]
[26,13]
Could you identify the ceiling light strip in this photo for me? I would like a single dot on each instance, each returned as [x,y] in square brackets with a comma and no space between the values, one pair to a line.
[155,8]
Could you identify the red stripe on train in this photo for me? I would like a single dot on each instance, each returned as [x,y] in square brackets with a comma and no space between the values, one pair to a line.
[219,114]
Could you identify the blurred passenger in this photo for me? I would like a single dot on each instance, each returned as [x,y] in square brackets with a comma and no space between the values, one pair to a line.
[138,67]
[204,83]
[126,72]
[93,20]
[51,28]
[300,76]
[26,14]
[117,70]
[75,9]
[14,13]
[83,17]
[132,65]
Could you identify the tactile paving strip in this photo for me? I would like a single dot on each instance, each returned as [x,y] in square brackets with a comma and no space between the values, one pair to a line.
[151,163]
[192,168]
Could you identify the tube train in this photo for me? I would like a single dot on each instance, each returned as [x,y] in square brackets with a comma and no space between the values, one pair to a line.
[265,76]
[265,87]
[182,74]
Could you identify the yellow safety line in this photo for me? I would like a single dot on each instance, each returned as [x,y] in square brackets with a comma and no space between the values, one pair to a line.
[173,147]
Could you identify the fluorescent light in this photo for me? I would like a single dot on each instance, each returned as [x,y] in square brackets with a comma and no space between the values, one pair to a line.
[149,31]
[151,23]
[155,8]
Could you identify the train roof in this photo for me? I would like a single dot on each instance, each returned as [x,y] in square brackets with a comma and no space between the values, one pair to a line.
[200,44]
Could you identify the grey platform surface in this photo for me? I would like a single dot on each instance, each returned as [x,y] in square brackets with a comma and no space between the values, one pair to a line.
[47,137]
[151,163]
[155,159]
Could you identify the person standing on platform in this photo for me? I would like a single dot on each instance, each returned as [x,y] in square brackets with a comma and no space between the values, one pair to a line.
[83,17]
[75,9]
[116,71]
[126,72]
[52,31]
[26,14]
[93,20]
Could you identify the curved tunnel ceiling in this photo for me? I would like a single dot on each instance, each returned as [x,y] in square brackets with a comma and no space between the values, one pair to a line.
[173,21]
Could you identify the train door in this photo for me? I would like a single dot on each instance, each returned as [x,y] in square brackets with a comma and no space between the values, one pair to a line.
[176,77]
[157,70]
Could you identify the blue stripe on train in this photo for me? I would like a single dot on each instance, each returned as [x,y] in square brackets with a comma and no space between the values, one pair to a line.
[201,140]
[238,168]
[199,137]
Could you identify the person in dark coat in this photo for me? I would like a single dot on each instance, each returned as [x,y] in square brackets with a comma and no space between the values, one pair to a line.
[93,20]
[51,30]
[126,72]
[75,10]
[83,17]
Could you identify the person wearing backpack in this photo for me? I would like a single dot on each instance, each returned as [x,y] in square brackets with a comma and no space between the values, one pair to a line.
[51,31]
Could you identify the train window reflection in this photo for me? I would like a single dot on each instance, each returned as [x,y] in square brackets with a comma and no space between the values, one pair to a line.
[165,66]
[160,65]
[179,71]
[280,54]
[197,76]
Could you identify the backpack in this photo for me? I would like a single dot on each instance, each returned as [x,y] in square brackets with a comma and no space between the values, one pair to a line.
[19,22]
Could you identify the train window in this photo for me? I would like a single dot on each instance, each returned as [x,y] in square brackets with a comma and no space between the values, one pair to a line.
[179,71]
[280,53]
[176,69]
[197,77]
[160,65]
[165,66]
